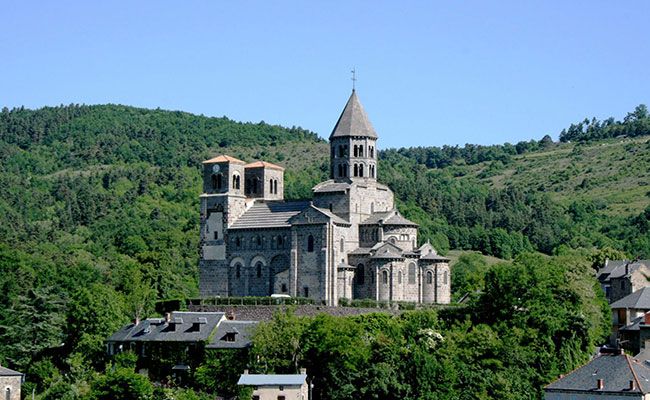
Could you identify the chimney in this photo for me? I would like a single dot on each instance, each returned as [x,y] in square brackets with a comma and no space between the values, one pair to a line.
[632,385]
[168,317]
[303,371]
[230,315]
[245,372]
[601,384]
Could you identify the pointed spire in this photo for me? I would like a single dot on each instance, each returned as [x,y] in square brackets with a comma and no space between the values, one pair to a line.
[353,120]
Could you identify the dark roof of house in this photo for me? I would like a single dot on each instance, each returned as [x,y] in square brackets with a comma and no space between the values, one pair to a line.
[9,372]
[434,257]
[269,214]
[388,251]
[242,330]
[272,379]
[616,371]
[617,268]
[353,121]
[639,300]
[392,217]
[183,327]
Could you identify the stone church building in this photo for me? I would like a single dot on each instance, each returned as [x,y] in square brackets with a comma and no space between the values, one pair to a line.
[349,241]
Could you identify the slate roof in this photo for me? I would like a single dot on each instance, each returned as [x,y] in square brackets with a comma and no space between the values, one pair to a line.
[269,214]
[434,257]
[616,268]
[392,217]
[271,379]
[223,158]
[185,327]
[332,216]
[635,325]
[331,186]
[263,164]
[616,371]
[639,300]
[388,251]
[9,372]
[243,335]
[353,121]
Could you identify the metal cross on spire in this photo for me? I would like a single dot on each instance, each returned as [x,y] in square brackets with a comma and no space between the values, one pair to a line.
[354,78]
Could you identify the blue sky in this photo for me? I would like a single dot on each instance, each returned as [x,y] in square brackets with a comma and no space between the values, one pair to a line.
[429,72]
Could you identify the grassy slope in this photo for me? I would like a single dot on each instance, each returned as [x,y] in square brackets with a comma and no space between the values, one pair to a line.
[615,173]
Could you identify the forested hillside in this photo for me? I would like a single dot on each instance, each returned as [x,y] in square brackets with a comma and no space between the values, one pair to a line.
[99,218]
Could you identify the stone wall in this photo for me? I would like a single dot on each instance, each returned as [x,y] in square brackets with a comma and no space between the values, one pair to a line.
[10,387]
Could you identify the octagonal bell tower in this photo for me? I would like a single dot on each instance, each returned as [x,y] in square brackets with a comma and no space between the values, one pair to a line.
[353,149]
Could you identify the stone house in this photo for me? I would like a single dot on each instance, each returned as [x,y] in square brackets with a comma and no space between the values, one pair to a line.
[10,383]
[181,338]
[348,241]
[619,278]
[608,377]
[630,323]
[276,387]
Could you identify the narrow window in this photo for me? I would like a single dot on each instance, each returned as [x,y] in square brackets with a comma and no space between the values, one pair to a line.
[8,396]
[372,152]
[411,273]
[280,241]
[237,242]
[216,235]
[345,170]
[356,151]
[361,277]
[271,186]
[384,277]
[258,239]
[361,170]
[360,150]
[341,151]
[444,278]
[310,243]
[429,277]
[342,244]
[356,170]
[275,186]
[399,277]
[340,170]
[306,291]
[237,271]
[284,288]
[259,269]
[372,208]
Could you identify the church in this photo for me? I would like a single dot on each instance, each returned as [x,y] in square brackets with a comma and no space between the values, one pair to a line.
[349,241]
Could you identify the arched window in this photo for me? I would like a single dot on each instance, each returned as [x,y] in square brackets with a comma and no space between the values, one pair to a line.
[217,181]
[340,170]
[345,170]
[384,277]
[310,243]
[372,208]
[360,169]
[279,241]
[361,274]
[360,150]
[444,278]
[372,152]
[238,271]
[258,269]
[342,244]
[356,151]
[399,277]
[275,186]
[429,277]
[8,394]
[411,273]
[356,170]
[271,186]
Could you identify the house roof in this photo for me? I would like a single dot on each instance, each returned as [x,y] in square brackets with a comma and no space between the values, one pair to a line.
[184,327]
[617,268]
[616,371]
[392,217]
[224,158]
[269,214]
[434,257]
[388,251]
[9,372]
[263,164]
[272,379]
[638,300]
[353,121]
[242,330]
[335,218]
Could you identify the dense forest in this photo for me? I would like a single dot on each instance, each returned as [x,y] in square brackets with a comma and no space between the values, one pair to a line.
[99,219]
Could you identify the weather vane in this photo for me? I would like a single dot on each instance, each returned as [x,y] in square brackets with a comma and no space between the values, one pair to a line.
[354,77]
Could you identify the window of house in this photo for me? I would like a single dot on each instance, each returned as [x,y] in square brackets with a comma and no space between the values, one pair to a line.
[8,394]
[310,243]
[411,273]
[236,181]
[361,170]
[399,277]
[258,269]
[284,288]
[342,244]
[217,181]
[372,152]
[429,277]
[384,277]
[237,271]
[356,170]
[444,278]
[360,150]
[216,235]
[356,150]
[361,274]
[271,186]
[306,291]
[275,186]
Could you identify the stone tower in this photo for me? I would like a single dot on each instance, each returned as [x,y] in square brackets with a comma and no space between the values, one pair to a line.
[222,202]
[353,149]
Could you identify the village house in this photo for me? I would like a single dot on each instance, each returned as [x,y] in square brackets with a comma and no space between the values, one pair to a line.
[10,383]
[630,321]
[619,278]
[277,387]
